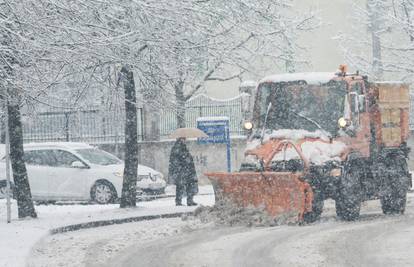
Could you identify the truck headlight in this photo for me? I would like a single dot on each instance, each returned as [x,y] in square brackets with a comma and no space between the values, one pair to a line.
[342,122]
[248,125]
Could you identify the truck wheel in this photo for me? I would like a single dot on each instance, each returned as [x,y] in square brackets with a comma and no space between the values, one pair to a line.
[317,208]
[348,201]
[394,193]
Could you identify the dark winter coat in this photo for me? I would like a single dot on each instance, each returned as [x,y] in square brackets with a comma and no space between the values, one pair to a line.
[181,169]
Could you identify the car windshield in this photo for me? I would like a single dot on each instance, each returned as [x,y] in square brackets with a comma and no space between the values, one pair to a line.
[301,106]
[99,157]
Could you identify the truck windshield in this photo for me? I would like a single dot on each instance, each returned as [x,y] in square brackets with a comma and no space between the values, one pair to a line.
[301,106]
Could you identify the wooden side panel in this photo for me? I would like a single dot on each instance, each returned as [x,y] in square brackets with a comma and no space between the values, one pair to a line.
[393,101]
[405,120]
[391,136]
[393,95]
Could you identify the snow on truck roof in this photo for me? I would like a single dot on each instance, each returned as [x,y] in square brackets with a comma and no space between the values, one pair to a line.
[314,78]
[65,145]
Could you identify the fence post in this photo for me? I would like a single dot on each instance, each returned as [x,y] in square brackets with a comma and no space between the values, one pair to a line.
[150,118]
[67,137]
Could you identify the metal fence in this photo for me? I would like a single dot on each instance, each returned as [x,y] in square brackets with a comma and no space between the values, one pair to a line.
[107,126]
[411,126]
[204,106]
[92,126]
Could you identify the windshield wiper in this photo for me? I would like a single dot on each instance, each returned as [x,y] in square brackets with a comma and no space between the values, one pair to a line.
[265,122]
[312,121]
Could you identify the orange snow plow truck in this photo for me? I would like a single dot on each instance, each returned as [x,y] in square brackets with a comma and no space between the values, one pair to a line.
[315,136]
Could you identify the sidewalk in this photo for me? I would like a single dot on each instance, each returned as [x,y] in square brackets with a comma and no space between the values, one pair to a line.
[18,237]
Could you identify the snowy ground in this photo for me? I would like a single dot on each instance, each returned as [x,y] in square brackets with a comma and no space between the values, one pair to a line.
[18,238]
[374,240]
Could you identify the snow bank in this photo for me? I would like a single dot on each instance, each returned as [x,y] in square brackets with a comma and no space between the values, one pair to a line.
[20,236]
[225,212]
[97,246]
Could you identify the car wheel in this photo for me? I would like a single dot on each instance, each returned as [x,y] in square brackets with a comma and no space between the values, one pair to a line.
[3,189]
[103,192]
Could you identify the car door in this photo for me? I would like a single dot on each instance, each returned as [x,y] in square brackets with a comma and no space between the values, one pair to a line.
[38,164]
[67,182]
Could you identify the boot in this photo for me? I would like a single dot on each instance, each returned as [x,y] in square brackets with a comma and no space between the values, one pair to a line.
[190,202]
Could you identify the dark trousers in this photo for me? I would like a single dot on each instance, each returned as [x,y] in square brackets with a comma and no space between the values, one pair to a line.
[179,191]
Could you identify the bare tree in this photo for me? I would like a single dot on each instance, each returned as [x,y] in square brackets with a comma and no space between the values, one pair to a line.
[385,21]
[229,39]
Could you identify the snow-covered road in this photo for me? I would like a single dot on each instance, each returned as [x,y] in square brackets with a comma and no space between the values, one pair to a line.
[370,242]
[374,240]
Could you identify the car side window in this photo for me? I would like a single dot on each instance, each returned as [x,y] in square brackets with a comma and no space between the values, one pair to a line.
[39,157]
[65,158]
[32,158]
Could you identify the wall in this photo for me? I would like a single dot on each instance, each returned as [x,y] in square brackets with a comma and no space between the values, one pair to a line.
[211,157]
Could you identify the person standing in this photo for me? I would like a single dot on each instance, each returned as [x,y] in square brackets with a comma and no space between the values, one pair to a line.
[182,173]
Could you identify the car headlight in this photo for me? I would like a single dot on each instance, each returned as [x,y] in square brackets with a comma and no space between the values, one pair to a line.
[119,174]
[142,177]
[155,176]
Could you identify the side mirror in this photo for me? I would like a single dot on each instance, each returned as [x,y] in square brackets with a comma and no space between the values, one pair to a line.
[78,165]
[361,102]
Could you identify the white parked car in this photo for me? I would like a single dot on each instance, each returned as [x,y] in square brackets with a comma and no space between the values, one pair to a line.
[77,171]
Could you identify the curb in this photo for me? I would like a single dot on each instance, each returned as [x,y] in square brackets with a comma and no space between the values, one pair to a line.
[95,224]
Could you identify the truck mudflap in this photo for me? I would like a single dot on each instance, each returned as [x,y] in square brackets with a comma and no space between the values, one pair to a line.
[278,193]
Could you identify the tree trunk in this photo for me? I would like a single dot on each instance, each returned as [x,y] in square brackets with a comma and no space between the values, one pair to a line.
[180,102]
[128,198]
[21,180]
[376,56]
[374,11]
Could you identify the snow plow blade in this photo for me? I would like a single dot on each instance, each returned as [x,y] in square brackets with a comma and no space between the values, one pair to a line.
[278,193]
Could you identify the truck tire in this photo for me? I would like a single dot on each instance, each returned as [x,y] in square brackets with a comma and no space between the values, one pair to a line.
[349,198]
[317,208]
[317,202]
[394,193]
